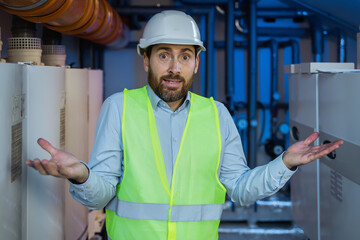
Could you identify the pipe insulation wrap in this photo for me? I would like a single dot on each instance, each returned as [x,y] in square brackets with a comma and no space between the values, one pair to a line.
[27,7]
[94,20]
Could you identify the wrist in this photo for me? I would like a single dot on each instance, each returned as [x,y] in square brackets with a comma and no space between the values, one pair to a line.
[83,176]
[286,161]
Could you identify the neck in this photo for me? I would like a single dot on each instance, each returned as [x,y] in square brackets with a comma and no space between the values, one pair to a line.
[175,105]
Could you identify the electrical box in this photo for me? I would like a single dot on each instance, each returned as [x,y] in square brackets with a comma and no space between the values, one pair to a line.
[62,106]
[43,196]
[11,157]
[76,142]
[303,115]
[311,100]
[95,102]
[339,171]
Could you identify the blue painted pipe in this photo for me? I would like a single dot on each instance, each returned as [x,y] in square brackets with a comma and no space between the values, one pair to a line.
[229,60]
[317,42]
[341,48]
[204,82]
[252,84]
[210,55]
[295,49]
[274,84]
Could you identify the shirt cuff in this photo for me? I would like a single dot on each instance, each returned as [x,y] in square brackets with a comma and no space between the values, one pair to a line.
[82,189]
[280,173]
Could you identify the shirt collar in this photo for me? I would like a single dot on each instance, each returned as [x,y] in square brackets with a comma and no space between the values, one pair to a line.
[156,101]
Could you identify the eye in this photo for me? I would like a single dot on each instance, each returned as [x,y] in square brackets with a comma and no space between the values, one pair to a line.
[163,56]
[186,57]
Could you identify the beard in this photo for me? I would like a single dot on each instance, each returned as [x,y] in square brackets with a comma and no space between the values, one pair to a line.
[169,94]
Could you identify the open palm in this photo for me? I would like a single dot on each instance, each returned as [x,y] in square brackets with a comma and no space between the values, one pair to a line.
[301,153]
[61,164]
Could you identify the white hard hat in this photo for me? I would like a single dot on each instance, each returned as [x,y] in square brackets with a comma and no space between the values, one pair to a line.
[171,27]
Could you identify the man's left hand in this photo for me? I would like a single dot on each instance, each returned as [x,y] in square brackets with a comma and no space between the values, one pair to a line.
[301,153]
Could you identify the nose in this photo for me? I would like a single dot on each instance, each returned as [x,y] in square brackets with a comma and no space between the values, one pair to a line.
[175,66]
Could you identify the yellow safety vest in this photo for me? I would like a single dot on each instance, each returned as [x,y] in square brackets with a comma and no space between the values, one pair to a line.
[147,208]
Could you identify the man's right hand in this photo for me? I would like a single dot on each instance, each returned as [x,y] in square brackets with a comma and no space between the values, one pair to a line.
[61,164]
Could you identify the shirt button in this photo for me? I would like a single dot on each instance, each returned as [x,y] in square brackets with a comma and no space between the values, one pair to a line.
[280,172]
[174,139]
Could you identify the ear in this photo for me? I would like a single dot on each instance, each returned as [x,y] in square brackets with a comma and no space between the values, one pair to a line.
[196,63]
[146,62]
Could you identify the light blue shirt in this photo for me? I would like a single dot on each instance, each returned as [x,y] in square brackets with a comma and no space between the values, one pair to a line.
[243,185]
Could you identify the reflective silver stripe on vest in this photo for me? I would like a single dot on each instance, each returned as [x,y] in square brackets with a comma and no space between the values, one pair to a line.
[32,6]
[194,213]
[155,211]
[139,211]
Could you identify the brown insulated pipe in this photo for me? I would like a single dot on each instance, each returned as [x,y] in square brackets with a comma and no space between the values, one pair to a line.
[30,7]
[94,20]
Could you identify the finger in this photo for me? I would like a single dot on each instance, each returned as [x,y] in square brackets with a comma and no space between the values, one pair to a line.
[331,146]
[29,163]
[47,146]
[328,148]
[39,167]
[310,139]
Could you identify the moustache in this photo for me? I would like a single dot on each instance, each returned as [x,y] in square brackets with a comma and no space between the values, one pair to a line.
[173,77]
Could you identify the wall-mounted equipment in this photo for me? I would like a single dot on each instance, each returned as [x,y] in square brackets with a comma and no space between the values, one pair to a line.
[33,100]
[95,102]
[76,142]
[43,196]
[325,191]
[11,158]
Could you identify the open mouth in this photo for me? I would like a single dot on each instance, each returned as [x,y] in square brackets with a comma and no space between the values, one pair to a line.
[172,83]
[172,80]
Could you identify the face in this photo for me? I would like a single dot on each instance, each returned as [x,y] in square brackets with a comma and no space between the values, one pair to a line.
[171,70]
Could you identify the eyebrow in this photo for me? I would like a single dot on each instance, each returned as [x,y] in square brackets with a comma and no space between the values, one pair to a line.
[170,50]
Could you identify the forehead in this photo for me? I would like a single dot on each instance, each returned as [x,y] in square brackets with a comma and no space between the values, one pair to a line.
[174,47]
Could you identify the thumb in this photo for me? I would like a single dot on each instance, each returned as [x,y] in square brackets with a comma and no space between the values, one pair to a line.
[47,146]
[310,139]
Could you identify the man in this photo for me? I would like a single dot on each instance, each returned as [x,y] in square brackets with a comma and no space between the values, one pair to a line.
[164,158]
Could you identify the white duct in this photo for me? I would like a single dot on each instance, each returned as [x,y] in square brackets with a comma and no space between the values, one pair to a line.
[11,151]
[43,196]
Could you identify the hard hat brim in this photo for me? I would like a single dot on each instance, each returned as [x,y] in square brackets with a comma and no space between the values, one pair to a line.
[142,47]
